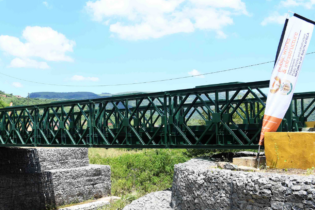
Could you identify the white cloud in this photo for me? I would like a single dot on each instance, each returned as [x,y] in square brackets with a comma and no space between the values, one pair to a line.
[289,3]
[17,84]
[307,4]
[274,18]
[237,5]
[196,73]
[27,63]
[40,42]
[144,19]
[221,35]
[82,78]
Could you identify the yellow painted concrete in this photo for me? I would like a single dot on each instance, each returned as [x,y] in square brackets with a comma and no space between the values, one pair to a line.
[310,124]
[290,150]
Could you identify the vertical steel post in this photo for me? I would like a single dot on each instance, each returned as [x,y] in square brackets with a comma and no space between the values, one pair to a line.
[35,126]
[62,126]
[302,109]
[217,110]
[90,124]
[170,120]
[164,121]
[289,117]
[125,121]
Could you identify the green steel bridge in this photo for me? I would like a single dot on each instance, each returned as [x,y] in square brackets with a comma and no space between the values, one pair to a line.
[214,116]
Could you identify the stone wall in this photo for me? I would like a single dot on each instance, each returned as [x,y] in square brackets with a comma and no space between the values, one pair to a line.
[45,178]
[160,200]
[198,184]
[79,184]
[32,160]
[26,191]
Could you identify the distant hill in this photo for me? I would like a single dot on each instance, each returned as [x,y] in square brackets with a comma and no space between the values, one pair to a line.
[19,101]
[68,96]
[104,95]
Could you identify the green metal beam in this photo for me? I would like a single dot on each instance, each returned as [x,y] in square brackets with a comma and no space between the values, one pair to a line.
[201,117]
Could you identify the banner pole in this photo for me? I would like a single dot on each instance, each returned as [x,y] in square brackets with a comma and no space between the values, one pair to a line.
[292,48]
[257,157]
[276,59]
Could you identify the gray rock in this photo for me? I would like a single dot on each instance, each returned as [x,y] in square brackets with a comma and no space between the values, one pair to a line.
[226,165]
[156,201]
[277,205]
[296,187]
[199,185]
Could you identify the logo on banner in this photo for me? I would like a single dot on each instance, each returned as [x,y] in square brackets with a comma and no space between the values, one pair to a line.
[285,88]
[275,85]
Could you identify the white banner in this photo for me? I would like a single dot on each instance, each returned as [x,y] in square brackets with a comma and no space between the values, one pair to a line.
[286,71]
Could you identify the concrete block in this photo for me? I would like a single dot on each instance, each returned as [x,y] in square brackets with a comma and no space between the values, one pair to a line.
[249,161]
[290,150]
[94,205]
[79,184]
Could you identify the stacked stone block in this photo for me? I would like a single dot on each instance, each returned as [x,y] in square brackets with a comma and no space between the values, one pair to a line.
[197,184]
[38,178]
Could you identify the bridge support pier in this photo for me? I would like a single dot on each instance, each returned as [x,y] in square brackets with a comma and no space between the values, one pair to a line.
[39,178]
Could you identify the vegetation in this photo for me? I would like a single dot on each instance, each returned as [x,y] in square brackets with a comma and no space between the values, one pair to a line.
[142,172]
[3,104]
[22,101]
[138,172]
[310,171]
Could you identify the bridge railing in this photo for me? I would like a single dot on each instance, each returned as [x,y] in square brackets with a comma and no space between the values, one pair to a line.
[214,116]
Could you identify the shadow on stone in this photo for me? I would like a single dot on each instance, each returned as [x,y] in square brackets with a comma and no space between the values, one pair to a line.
[38,178]
[22,184]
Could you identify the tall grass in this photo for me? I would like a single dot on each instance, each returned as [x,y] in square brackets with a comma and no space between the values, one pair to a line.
[137,172]
[111,153]
[140,171]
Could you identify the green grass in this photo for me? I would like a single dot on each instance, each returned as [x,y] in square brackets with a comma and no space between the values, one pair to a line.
[142,172]
[138,173]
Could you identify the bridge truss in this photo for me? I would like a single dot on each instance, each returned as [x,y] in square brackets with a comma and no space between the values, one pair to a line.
[214,116]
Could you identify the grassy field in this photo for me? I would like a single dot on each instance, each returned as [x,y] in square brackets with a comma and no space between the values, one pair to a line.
[137,172]
[111,153]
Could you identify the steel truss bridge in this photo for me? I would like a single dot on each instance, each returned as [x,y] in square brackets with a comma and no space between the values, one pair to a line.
[215,116]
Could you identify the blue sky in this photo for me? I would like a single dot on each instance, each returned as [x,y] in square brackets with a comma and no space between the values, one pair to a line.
[104,42]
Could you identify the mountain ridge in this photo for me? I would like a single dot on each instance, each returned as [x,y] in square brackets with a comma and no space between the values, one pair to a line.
[65,95]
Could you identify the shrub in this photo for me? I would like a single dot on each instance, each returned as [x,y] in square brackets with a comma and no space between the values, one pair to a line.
[143,172]
[3,104]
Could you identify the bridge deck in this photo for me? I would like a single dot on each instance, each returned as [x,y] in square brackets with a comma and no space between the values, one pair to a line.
[215,116]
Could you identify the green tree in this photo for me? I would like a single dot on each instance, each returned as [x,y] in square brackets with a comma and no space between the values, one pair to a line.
[3,104]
